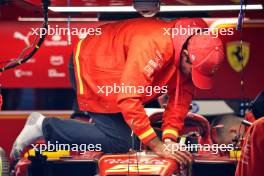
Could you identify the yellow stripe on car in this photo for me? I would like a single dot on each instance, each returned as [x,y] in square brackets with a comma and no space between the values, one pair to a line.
[50,155]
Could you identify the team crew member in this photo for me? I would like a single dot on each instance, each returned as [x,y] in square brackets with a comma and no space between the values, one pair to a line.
[252,158]
[135,52]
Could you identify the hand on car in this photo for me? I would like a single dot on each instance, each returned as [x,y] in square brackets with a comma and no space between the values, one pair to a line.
[170,150]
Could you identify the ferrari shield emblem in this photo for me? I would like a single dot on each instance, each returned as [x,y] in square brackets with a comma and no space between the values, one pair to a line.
[235,59]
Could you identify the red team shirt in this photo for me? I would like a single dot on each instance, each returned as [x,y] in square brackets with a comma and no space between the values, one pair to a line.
[134,52]
[251,162]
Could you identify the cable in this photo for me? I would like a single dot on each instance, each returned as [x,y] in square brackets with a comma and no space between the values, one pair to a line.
[236,141]
[240,24]
[20,59]
[69,25]
[240,28]
[15,62]
[132,150]
[128,163]
[137,163]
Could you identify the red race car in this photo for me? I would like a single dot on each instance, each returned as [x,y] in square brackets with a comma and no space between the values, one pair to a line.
[197,131]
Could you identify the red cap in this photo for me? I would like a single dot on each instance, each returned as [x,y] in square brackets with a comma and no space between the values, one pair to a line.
[206,54]
[179,40]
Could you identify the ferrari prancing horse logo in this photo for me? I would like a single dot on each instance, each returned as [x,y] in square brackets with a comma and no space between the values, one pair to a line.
[235,60]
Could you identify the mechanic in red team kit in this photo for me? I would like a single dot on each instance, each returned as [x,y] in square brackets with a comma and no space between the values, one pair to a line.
[131,63]
[252,158]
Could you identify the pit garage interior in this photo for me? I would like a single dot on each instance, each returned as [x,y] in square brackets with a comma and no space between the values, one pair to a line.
[40,82]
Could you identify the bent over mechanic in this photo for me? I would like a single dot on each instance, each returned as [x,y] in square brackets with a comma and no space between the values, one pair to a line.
[135,52]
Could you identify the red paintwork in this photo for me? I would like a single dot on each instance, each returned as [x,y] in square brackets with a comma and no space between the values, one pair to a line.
[51,47]
[21,167]
[9,130]
[147,164]
[117,164]
[1,101]
[254,81]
